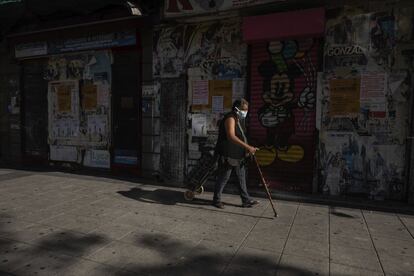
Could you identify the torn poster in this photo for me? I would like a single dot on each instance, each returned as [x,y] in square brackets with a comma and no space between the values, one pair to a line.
[103,94]
[97,159]
[199,125]
[373,86]
[98,125]
[200,92]
[217,104]
[89,97]
[238,87]
[63,153]
[344,97]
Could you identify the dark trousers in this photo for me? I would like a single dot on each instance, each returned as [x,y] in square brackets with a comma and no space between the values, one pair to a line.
[223,174]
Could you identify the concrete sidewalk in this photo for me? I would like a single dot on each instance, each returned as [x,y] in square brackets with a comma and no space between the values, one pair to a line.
[63,224]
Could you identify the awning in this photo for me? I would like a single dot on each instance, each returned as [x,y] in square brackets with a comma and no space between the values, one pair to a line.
[285,25]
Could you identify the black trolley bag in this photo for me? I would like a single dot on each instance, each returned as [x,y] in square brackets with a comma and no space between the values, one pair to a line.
[199,174]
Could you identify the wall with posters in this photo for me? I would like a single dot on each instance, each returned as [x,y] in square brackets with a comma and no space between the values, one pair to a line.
[364,100]
[213,57]
[79,108]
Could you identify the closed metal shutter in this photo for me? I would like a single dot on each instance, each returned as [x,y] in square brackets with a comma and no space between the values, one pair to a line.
[282,111]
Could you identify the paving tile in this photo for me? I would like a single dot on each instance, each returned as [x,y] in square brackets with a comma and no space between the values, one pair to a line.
[274,244]
[8,226]
[396,264]
[346,270]
[90,268]
[72,243]
[45,263]
[255,258]
[13,254]
[313,233]
[113,231]
[148,221]
[292,265]
[302,247]
[395,246]
[270,229]
[408,222]
[397,231]
[33,232]
[355,257]
[192,230]
[347,239]
[207,258]
[117,254]
[74,223]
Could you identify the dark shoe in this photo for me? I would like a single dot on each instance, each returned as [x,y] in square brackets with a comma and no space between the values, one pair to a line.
[218,205]
[250,203]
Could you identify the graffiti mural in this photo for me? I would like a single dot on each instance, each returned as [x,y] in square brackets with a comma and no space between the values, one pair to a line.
[282,111]
[215,49]
[288,61]
[168,53]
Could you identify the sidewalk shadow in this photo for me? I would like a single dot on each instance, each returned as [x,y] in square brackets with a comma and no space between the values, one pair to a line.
[164,196]
[180,257]
[47,255]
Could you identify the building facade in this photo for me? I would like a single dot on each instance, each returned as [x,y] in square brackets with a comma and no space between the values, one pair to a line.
[329,85]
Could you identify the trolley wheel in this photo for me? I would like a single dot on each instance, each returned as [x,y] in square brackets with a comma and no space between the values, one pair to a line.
[199,190]
[189,195]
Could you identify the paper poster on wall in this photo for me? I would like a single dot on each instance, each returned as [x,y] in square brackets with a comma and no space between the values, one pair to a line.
[222,88]
[64,98]
[89,97]
[97,159]
[344,97]
[97,125]
[64,128]
[374,110]
[200,92]
[199,125]
[148,91]
[238,88]
[103,94]
[63,153]
[217,104]
[373,86]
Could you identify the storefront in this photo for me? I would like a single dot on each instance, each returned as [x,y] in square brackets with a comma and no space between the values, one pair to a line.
[81,96]
[200,69]
[284,64]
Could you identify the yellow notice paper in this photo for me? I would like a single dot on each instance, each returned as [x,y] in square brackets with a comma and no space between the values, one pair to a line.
[344,97]
[64,98]
[89,97]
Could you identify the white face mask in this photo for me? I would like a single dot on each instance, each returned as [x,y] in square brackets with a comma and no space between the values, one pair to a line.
[241,113]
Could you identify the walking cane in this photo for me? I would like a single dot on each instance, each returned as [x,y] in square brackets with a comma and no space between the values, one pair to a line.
[265,185]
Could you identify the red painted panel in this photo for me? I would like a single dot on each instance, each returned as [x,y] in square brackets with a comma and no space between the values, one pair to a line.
[285,25]
[282,111]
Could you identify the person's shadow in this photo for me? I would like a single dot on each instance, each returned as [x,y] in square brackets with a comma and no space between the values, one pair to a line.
[163,196]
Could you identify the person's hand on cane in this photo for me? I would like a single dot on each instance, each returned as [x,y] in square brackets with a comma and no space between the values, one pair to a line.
[252,150]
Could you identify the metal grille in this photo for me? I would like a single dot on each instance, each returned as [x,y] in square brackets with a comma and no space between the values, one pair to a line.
[173,128]
[35,109]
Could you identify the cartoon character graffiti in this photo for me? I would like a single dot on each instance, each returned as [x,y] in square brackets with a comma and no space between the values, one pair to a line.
[288,61]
